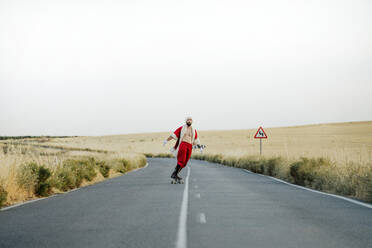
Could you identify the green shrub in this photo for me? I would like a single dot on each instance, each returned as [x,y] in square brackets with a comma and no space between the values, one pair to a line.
[216,158]
[142,161]
[76,169]
[64,178]
[230,161]
[3,196]
[271,166]
[317,173]
[198,156]
[44,189]
[72,173]
[122,165]
[158,155]
[104,169]
[364,186]
[149,155]
[43,186]
[34,178]
[256,166]
[164,155]
[307,172]
[89,169]
[27,176]
[43,174]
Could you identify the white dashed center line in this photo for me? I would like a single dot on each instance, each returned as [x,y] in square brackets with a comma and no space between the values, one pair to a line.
[202,218]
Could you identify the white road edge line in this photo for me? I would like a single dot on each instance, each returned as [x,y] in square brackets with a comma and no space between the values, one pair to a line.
[202,218]
[24,203]
[182,224]
[315,191]
[39,199]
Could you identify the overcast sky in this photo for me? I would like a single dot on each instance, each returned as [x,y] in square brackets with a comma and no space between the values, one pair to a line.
[111,67]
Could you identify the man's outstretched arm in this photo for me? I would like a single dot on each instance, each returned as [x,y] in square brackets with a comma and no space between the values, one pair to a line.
[168,139]
[173,135]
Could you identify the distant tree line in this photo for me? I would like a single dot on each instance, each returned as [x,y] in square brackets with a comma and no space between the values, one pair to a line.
[29,137]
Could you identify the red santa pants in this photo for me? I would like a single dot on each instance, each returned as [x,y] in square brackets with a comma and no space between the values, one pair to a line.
[184,154]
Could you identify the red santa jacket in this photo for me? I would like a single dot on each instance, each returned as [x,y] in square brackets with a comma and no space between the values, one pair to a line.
[178,135]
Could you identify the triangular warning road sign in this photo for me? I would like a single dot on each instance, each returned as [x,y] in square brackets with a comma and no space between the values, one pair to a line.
[260,134]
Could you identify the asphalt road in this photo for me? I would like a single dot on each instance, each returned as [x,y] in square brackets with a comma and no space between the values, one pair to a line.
[216,207]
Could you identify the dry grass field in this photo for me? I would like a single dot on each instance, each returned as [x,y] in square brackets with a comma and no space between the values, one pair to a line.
[29,171]
[340,142]
[334,157]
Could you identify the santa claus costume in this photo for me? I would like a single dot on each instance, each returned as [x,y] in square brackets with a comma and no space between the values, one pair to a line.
[182,150]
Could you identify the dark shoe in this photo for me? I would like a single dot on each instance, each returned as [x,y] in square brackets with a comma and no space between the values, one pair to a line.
[175,172]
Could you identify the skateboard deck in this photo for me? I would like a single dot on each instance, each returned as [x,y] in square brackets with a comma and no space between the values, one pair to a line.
[174,181]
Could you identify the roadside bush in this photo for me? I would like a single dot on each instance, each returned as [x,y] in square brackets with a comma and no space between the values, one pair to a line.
[272,166]
[230,161]
[364,186]
[3,196]
[72,173]
[122,165]
[149,155]
[64,178]
[104,169]
[43,186]
[76,169]
[308,172]
[317,173]
[34,179]
[214,158]
[27,176]
[164,155]
[253,164]
[256,166]
[198,157]
[158,155]
[88,169]
[142,161]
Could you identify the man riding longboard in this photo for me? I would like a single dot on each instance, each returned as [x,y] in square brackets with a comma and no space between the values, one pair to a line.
[186,137]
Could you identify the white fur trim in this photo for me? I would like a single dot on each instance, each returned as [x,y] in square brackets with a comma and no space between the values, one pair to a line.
[174,136]
[193,141]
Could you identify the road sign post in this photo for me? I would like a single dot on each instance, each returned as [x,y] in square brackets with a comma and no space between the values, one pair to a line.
[260,134]
[260,146]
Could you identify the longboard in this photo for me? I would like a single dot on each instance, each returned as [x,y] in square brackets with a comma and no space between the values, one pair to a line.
[174,181]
